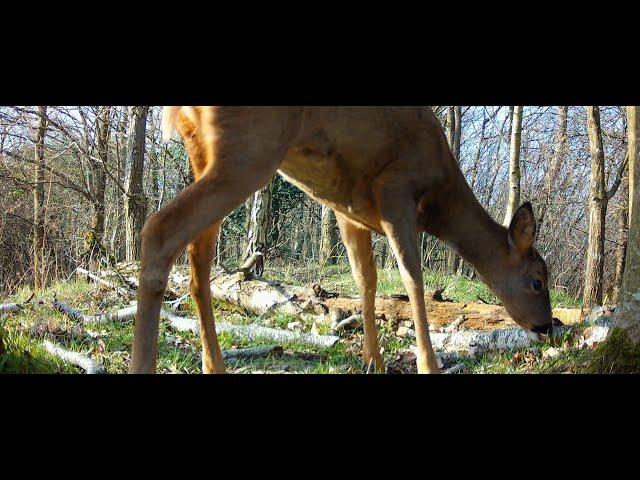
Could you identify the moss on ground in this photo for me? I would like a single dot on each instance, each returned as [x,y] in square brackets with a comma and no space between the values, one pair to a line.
[618,355]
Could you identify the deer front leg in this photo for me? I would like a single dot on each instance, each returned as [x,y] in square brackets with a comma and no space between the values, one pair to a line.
[166,233]
[200,258]
[400,226]
[358,244]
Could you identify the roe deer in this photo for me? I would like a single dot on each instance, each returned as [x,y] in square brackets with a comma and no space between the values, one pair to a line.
[382,169]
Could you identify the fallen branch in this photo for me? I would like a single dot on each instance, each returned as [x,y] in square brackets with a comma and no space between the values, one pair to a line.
[184,324]
[10,307]
[250,262]
[352,321]
[102,281]
[455,326]
[120,316]
[252,332]
[15,307]
[252,353]
[78,359]
[456,369]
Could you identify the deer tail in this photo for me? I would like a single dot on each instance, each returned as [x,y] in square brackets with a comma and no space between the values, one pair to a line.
[169,118]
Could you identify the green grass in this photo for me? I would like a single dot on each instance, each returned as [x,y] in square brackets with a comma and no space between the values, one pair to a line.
[23,332]
[457,288]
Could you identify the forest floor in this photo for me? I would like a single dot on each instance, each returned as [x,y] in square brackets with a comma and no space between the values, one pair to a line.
[109,344]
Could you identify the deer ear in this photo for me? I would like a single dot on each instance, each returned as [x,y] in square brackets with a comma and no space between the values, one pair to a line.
[523,228]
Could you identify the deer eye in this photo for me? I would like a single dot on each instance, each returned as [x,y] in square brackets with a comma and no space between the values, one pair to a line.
[537,285]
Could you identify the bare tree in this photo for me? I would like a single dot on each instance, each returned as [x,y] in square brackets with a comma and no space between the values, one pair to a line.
[97,184]
[135,201]
[555,163]
[598,201]
[259,220]
[454,135]
[39,272]
[622,215]
[514,165]
[628,314]
[329,237]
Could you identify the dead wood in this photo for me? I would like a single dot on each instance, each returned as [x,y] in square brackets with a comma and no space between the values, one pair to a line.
[121,291]
[253,353]
[455,326]
[348,323]
[10,307]
[78,359]
[184,324]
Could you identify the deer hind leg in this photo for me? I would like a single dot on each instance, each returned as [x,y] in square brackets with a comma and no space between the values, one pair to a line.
[234,176]
[358,244]
[200,257]
[400,226]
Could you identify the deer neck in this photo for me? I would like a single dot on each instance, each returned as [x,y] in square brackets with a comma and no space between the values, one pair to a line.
[462,222]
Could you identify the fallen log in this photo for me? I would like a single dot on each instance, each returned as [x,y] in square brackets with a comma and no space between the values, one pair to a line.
[263,298]
[184,324]
[119,316]
[78,359]
[475,342]
[252,332]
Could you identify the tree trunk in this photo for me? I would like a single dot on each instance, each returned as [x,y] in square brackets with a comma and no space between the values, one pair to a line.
[259,221]
[39,274]
[94,245]
[454,127]
[329,238]
[514,166]
[389,259]
[621,248]
[220,247]
[457,138]
[597,213]
[555,164]
[135,202]
[628,314]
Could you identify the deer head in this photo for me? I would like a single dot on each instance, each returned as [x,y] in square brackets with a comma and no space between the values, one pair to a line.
[520,278]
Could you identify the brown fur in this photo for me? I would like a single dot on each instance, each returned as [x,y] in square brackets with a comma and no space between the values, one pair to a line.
[386,169]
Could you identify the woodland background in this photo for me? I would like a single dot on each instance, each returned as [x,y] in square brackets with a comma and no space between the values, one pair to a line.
[78,182]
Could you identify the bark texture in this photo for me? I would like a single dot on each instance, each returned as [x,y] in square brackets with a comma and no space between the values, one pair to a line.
[514,166]
[135,202]
[329,237]
[628,314]
[39,269]
[94,244]
[259,220]
[597,212]
[555,164]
